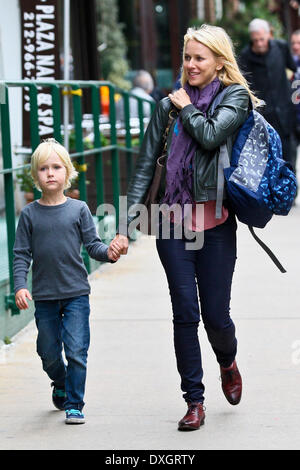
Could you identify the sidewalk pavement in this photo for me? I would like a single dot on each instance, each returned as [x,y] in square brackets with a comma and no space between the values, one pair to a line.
[133,397]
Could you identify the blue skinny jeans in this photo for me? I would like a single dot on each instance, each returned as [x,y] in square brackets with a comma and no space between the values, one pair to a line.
[65,324]
[204,274]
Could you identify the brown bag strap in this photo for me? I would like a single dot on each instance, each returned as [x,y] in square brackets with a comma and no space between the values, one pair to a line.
[173,114]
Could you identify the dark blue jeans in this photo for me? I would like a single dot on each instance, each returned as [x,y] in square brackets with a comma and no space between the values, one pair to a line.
[65,324]
[210,269]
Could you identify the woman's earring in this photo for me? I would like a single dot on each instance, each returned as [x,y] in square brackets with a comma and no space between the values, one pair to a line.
[221,74]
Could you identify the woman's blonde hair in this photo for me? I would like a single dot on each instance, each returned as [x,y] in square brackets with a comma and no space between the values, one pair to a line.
[220,44]
[43,152]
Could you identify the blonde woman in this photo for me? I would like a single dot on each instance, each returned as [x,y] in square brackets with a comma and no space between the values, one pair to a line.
[50,233]
[209,66]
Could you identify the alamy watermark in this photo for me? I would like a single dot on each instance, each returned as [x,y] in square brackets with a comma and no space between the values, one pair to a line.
[164,221]
[296,93]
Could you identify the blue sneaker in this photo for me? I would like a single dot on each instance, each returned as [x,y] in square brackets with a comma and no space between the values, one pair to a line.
[74,417]
[58,396]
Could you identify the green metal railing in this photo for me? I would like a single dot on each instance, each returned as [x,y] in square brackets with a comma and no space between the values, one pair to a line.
[81,154]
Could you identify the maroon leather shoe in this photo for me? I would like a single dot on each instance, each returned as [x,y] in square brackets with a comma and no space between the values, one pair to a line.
[231,383]
[193,419]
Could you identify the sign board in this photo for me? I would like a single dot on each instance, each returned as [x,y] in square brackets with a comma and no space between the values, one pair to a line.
[40,60]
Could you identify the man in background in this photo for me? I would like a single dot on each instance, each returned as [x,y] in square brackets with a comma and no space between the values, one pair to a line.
[264,62]
[295,4]
[295,138]
[142,87]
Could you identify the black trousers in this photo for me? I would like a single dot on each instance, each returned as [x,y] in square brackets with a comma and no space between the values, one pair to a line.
[285,137]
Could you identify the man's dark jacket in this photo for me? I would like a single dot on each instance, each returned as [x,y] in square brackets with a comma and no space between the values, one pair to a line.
[267,77]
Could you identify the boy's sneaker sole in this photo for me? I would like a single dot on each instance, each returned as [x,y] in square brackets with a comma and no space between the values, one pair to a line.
[74,421]
[74,417]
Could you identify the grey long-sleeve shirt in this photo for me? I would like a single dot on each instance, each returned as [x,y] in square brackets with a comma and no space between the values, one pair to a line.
[51,237]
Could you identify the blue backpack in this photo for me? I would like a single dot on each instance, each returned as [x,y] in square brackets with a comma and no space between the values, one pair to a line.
[258,182]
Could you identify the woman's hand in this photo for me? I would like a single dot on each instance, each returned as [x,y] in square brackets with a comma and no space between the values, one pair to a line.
[21,297]
[180,98]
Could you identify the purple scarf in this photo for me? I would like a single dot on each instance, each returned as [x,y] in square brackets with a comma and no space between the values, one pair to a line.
[179,178]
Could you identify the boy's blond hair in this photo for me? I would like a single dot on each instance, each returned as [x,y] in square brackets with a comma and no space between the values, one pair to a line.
[43,152]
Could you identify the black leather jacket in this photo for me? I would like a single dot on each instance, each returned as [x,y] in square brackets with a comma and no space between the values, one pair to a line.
[210,132]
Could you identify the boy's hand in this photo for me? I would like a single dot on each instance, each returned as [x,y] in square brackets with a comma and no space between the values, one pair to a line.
[113,251]
[21,297]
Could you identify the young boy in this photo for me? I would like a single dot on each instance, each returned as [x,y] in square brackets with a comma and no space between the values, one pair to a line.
[50,233]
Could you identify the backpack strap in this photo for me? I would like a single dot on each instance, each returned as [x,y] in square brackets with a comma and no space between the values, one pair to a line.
[267,250]
[223,162]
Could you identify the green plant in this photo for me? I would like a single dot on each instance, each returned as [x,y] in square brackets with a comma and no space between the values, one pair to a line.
[236,23]
[25,180]
[87,145]
[135,142]
[7,340]
[114,65]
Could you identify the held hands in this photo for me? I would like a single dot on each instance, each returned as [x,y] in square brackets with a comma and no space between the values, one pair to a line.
[118,246]
[121,241]
[21,297]
[180,98]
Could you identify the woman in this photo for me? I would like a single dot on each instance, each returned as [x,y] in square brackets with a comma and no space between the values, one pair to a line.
[209,65]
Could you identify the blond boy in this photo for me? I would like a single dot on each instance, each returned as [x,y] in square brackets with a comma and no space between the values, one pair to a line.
[50,234]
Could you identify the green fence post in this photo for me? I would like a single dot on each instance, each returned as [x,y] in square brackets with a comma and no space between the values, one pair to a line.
[77,96]
[9,197]
[114,152]
[97,144]
[153,105]
[34,125]
[34,121]
[55,90]
[141,119]
[129,163]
